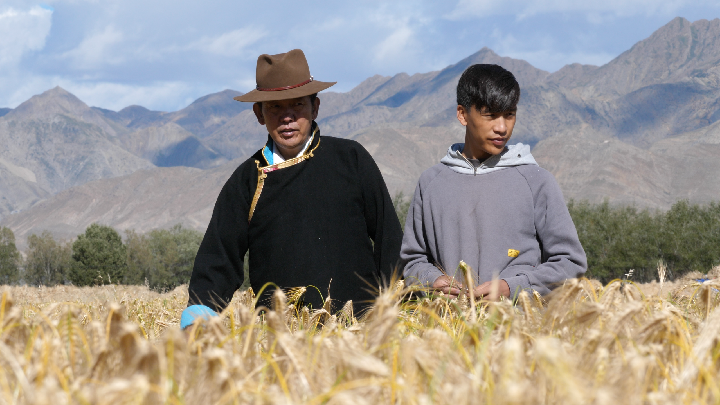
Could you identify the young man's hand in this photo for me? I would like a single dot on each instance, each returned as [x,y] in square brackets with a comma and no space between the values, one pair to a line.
[448,286]
[485,290]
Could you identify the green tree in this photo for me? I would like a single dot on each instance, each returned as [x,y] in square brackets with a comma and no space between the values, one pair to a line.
[9,257]
[402,204]
[691,239]
[99,257]
[617,239]
[163,257]
[48,261]
[174,251]
[139,258]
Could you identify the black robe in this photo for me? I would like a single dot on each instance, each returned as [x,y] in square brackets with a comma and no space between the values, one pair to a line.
[327,222]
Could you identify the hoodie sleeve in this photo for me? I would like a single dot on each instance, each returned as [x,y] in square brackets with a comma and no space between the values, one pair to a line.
[415,257]
[563,256]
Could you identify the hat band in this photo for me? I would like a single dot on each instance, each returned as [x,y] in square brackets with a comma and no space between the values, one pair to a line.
[286,87]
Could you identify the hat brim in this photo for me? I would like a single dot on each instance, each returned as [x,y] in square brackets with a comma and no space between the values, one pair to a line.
[313,87]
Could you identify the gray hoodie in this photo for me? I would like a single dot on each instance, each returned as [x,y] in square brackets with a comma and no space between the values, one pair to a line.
[505,216]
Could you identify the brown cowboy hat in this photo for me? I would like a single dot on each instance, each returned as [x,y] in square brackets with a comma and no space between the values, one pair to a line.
[283,76]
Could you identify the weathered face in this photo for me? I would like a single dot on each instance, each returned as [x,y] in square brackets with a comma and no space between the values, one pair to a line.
[288,122]
[486,134]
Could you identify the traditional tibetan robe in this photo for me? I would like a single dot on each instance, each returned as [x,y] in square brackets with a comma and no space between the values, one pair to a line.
[323,220]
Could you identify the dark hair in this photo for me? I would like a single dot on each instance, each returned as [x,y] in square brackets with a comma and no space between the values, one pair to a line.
[312,100]
[488,86]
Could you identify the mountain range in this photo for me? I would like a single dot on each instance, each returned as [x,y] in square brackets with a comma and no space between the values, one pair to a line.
[642,129]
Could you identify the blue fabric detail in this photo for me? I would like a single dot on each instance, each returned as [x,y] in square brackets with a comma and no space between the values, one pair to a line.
[268,153]
[704,280]
[193,312]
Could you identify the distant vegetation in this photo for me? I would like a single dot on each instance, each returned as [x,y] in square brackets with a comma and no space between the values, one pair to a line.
[9,257]
[402,205]
[161,259]
[685,238]
[98,257]
[48,261]
[616,239]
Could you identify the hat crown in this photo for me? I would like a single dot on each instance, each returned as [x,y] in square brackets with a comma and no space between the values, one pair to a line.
[282,70]
[282,77]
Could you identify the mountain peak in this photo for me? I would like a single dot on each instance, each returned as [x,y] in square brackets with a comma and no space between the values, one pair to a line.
[525,73]
[133,110]
[486,50]
[57,91]
[49,104]
[217,98]
[677,50]
[208,113]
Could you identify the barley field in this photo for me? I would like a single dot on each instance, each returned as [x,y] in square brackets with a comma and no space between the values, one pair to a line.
[621,343]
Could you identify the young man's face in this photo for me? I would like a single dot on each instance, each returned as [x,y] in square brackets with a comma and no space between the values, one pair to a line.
[288,122]
[486,134]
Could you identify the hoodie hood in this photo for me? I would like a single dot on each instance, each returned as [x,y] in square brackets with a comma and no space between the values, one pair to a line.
[513,155]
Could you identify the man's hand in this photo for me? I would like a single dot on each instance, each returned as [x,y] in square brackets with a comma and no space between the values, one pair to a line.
[448,286]
[485,290]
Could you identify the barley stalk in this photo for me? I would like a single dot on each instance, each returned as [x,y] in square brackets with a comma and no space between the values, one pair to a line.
[586,343]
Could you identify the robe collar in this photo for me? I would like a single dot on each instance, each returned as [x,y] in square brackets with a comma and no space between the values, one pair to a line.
[264,171]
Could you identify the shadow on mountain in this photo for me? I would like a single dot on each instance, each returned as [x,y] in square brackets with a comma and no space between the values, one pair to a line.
[398,99]
[189,152]
[660,111]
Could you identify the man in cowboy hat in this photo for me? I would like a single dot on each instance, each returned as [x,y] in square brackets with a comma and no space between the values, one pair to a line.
[312,211]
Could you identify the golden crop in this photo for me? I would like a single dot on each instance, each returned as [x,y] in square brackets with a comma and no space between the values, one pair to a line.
[586,344]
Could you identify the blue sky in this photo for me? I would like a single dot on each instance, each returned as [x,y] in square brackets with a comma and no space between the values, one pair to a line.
[165,54]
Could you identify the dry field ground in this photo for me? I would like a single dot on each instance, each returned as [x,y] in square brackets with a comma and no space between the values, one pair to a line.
[586,344]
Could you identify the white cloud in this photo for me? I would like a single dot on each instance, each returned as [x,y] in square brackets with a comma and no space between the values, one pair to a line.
[395,44]
[22,31]
[116,96]
[231,43]
[243,84]
[97,50]
[161,95]
[544,53]
[592,9]
[332,24]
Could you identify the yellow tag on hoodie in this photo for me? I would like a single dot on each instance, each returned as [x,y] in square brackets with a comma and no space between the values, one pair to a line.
[513,253]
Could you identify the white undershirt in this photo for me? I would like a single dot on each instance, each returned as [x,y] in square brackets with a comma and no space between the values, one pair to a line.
[278,158]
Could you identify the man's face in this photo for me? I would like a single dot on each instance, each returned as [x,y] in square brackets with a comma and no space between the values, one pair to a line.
[288,122]
[486,134]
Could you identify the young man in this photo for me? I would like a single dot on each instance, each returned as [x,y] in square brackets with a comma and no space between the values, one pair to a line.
[312,211]
[489,205]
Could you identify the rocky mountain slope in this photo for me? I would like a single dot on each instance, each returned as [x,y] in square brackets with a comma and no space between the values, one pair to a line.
[144,200]
[54,141]
[642,129]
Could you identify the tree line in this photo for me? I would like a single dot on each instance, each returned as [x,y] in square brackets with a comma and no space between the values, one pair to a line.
[161,259]
[685,238]
[616,239]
